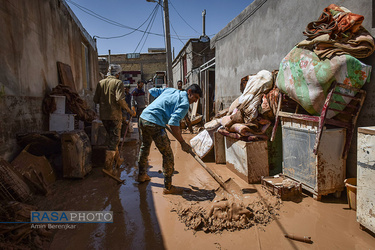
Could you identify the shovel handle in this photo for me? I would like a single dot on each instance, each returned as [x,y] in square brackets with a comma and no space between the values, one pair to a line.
[217,179]
[199,160]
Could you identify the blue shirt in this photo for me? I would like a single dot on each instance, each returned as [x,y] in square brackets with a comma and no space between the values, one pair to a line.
[170,106]
[139,98]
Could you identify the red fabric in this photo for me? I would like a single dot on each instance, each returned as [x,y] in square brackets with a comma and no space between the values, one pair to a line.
[334,21]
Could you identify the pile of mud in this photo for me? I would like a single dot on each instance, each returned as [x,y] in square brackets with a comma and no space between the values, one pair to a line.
[226,212]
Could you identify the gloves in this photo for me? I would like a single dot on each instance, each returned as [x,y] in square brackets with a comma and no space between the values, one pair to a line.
[133,113]
[125,106]
[186,147]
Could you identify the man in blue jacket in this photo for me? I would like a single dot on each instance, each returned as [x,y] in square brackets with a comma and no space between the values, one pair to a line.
[139,98]
[170,106]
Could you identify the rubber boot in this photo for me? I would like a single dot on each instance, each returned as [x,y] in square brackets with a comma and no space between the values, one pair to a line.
[109,159]
[118,159]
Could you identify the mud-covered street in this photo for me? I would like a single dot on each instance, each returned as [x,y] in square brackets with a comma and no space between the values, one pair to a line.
[268,106]
[144,218]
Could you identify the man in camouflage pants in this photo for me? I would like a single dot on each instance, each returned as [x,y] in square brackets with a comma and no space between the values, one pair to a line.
[169,107]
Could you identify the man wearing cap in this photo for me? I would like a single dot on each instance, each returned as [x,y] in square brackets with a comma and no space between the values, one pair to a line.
[110,96]
[139,98]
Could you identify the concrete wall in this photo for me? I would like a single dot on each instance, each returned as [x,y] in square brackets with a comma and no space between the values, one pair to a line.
[264,33]
[196,53]
[34,36]
[147,63]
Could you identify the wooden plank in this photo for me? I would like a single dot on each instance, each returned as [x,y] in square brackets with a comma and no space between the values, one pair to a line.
[338,123]
[349,96]
[321,121]
[196,120]
[119,181]
[367,130]
[342,111]
[219,147]
[299,116]
[277,118]
[195,108]
[66,75]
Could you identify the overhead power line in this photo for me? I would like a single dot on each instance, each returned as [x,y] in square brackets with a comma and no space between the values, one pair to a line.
[183,18]
[149,29]
[109,21]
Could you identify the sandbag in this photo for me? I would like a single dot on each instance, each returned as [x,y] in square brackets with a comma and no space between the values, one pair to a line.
[307,79]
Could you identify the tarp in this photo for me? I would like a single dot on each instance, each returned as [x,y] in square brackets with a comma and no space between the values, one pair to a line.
[202,143]
[307,79]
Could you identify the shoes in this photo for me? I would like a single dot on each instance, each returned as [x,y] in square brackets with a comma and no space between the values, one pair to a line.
[119,162]
[143,178]
[130,128]
[109,159]
[173,190]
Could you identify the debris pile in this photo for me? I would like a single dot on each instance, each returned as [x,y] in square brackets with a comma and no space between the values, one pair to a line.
[329,54]
[250,115]
[12,185]
[228,213]
[73,101]
[21,234]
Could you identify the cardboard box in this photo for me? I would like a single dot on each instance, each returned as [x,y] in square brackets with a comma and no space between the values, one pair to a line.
[61,122]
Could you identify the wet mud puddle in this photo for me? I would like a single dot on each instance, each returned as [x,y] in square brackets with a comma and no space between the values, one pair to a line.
[214,211]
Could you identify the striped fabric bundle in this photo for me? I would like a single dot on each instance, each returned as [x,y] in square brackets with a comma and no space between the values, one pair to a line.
[307,79]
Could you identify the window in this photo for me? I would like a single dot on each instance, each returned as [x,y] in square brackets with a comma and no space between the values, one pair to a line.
[132,55]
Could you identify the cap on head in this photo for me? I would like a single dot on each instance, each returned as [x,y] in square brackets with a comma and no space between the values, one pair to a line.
[114,69]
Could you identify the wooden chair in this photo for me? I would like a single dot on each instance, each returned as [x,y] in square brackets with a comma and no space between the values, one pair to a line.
[346,118]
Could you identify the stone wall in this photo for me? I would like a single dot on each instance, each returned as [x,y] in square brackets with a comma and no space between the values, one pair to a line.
[147,63]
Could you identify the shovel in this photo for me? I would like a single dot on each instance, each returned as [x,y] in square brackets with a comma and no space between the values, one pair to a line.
[118,159]
[229,186]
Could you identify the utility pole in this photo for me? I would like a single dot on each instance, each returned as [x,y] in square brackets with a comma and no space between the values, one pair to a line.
[167,41]
[168,44]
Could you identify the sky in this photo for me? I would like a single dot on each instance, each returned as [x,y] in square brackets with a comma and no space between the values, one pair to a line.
[138,24]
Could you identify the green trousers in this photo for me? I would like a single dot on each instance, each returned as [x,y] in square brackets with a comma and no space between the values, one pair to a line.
[151,132]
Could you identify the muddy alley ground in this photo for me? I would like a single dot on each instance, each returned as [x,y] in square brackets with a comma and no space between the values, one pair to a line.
[144,218]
